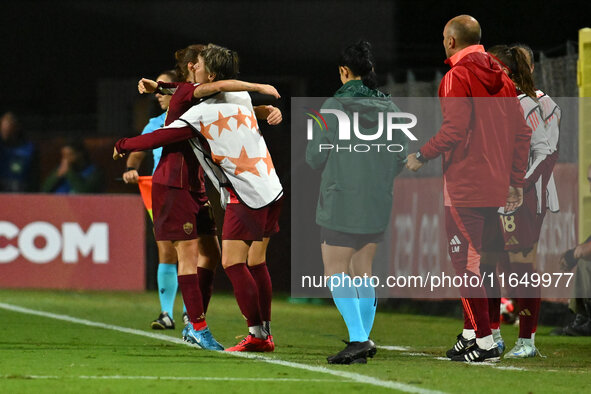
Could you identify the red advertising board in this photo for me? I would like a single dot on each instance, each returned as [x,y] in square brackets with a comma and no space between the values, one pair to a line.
[72,242]
[419,243]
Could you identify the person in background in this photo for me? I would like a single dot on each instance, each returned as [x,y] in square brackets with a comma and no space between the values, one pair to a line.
[355,200]
[485,149]
[166,275]
[521,229]
[19,169]
[579,257]
[75,173]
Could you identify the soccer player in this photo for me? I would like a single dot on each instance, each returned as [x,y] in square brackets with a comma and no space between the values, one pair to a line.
[521,229]
[239,165]
[485,145]
[180,133]
[355,200]
[166,275]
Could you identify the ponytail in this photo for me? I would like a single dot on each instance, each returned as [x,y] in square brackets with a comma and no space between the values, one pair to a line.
[522,74]
[515,60]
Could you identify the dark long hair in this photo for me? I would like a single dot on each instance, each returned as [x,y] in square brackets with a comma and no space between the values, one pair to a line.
[185,56]
[515,60]
[359,59]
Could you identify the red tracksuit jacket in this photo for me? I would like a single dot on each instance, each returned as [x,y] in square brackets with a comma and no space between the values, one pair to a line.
[484,138]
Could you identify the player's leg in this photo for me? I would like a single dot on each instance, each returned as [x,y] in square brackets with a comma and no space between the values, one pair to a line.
[209,252]
[209,258]
[488,266]
[234,255]
[196,331]
[166,277]
[257,264]
[361,266]
[528,303]
[522,231]
[465,227]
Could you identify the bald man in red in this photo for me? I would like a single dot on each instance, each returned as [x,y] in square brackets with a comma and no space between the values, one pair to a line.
[484,141]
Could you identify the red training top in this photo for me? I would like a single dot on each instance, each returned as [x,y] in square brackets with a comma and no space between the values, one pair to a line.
[484,142]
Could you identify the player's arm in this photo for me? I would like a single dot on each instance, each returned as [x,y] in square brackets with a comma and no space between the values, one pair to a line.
[456,108]
[233,85]
[134,160]
[268,112]
[146,85]
[571,257]
[176,132]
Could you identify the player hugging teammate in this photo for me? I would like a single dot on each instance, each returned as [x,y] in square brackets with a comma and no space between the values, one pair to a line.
[180,207]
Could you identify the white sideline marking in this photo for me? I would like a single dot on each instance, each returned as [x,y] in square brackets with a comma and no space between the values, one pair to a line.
[198,378]
[352,376]
[395,348]
[405,350]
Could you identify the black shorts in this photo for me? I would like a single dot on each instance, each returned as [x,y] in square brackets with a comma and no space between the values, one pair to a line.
[348,240]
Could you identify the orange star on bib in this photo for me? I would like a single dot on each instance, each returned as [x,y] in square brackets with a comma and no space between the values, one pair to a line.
[217,159]
[205,131]
[222,123]
[253,121]
[245,164]
[241,118]
[268,162]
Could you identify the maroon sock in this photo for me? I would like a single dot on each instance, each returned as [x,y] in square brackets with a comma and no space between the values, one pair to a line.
[528,300]
[189,285]
[261,276]
[536,315]
[205,285]
[246,293]
[493,292]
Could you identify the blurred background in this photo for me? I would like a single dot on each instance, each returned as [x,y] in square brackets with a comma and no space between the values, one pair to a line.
[70,68]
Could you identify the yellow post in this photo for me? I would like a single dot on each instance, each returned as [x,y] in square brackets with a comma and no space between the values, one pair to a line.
[584,82]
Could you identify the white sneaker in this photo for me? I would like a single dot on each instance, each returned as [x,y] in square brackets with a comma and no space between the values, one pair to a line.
[524,348]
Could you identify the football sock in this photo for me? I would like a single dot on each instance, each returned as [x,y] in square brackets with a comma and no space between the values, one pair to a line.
[527,315]
[246,293]
[261,276]
[189,285]
[468,333]
[486,342]
[258,331]
[493,293]
[496,333]
[205,277]
[367,304]
[167,286]
[345,298]
[527,301]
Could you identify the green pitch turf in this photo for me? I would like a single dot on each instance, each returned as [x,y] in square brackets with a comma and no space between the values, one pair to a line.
[41,354]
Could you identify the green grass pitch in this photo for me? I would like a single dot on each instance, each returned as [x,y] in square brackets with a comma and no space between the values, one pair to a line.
[40,354]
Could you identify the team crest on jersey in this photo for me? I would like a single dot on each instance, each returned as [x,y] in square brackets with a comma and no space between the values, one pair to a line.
[188,228]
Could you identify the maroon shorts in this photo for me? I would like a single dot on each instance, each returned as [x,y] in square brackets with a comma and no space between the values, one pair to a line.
[521,230]
[246,224]
[180,214]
